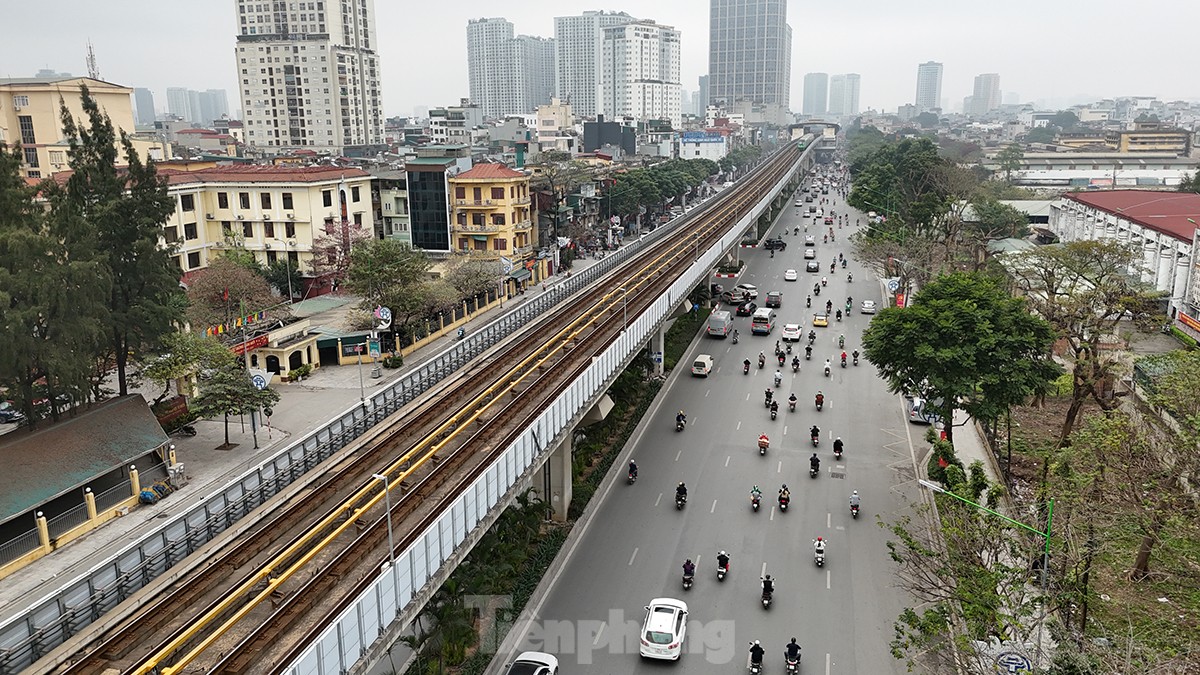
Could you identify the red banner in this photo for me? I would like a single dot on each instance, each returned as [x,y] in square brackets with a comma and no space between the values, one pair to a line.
[899,299]
[1189,322]
[250,345]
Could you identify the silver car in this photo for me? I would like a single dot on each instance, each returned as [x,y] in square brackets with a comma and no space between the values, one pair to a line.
[868,307]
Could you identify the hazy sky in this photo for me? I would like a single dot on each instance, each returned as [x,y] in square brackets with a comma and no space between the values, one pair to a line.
[1051,50]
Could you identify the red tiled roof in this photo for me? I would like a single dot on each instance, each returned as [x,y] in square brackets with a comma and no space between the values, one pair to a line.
[490,171]
[1165,212]
[195,131]
[261,173]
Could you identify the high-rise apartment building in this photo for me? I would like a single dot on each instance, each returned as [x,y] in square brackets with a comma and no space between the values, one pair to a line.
[816,86]
[843,94]
[986,96]
[213,106]
[701,104]
[179,103]
[197,107]
[749,57]
[508,74]
[929,86]
[309,78]
[143,100]
[577,41]
[640,72]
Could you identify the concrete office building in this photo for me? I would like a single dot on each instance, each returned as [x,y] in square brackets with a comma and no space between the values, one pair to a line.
[640,72]
[986,97]
[749,58]
[143,103]
[577,41]
[843,94]
[816,89]
[309,79]
[701,102]
[929,87]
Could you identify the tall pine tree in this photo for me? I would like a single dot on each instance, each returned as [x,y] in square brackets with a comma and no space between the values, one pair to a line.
[126,209]
[52,293]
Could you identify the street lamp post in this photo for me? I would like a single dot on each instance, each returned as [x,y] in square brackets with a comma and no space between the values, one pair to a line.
[1045,548]
[287,259]
[387,500]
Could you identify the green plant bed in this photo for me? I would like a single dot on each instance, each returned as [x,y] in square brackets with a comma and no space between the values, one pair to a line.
[681,334]
[1188,341]
[731,269]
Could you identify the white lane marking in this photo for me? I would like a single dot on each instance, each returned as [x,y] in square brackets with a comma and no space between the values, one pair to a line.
[599,632]
[707,392]
[659,500]
[827,580]
[678,454]
[785,430]
[714,508]
[828,519]
[727,458]
[633,556]
[747,397]
[772,517]
[780,469]
[764,570]
[826,664]
[739,424]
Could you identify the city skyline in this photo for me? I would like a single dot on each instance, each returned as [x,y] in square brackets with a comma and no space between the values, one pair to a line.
[888,42]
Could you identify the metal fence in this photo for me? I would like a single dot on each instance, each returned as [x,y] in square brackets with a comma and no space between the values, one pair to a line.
[18,546]
[114,495]
[67,520]
[63,613]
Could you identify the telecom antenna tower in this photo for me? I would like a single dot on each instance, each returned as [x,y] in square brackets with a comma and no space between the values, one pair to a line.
[93,69]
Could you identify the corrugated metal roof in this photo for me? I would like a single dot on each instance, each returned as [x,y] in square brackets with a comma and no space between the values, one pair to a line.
[1166,212]
[40,465]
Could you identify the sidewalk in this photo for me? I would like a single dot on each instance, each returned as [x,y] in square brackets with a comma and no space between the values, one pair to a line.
[303,407]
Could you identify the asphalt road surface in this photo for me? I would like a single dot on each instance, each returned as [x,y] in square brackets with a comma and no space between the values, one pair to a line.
[634,548]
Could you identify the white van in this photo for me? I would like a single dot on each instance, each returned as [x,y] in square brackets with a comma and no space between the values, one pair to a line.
[763,321]
[720,324]
[702,366]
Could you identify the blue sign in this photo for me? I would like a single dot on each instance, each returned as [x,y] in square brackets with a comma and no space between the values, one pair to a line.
[259,381]
[1012,663]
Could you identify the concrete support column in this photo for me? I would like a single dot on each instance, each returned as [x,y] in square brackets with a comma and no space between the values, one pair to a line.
[90,500]
[657,341]
[134,483]
[43,530]
[560,474]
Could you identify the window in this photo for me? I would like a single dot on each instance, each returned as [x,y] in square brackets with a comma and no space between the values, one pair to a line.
[20,101]
[293,258]
[460,192]
[248,230]
[327,195]
[501,244]
[354,194]
[189,232]
[25,122]
[222,200]
[193,260]
[244,199]
[187,202]
[31,157]
[272,257]
[289,230]
[287,201]
[269,230]
[171,234]
[226,229]
[265,198]
[497,193]
[58,157]
[34,174]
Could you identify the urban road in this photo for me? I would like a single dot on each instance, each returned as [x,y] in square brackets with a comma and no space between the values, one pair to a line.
[634,546]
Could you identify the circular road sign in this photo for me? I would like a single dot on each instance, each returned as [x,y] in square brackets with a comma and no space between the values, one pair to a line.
[259,381]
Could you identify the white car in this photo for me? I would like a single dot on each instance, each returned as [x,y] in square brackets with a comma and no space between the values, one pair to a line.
[751,291]
[533,663]
[810,253]
[791,332]
[790,275]
[663,629]
[868,307]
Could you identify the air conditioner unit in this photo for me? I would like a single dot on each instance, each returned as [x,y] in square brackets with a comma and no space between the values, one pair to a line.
[208,216]
[17,108]
[291,216]
[240,217]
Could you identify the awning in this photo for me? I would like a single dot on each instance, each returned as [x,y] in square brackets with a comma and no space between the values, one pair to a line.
[479,237]
[519,275]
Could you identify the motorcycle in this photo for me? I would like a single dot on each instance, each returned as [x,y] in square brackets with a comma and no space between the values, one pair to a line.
[813,471]
[773,413]
[843,264]
[762,361]
[837,453]
[754,501]
[632,478]
[680,500]
[735,339]
[762,446]
[854,511]
[808,302]
[767,402]
[791,666]
[856,360]
[745,368]
[816,440]
[819,557]
[783,503]
[766,600]
[687,581]
[849,278]
[820,404]
[679,424]
[795,366]
[808,354]
[827,371]
[778,381]
[791,406]
[843,363]
[721,572]
[789,348]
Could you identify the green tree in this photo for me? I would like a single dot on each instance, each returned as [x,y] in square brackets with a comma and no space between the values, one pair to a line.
[1190,183]
[1044,134]
[52,295]
[184,354]
[126,210]
[225,291]
[1010,159]
[1085,290]
[229,391]
[283,276]
[471,277]
[557,175]
[387,273]
[927,120]
[963,342]
[1065,120]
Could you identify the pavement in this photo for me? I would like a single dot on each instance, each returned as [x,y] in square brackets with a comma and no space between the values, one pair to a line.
[303,407]
[630,546]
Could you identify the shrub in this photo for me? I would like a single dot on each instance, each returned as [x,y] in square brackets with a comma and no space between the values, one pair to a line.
[393,361]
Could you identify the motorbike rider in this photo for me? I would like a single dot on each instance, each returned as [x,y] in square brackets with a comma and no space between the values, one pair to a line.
[782,359]
[815,432]
[633,468]
[841,342]
[855,355]
[854,499]
[793,651]
[849,304]
[824,281]
[762,358]
[843,358]
[792,401]
[756,653]
[808,301]
[681,491]
[827,366]
[735,335]
[820,401]
[807,351]
[723,560]
[768,585]
[689,568]
[812,335]
[850,278]
[838,445]
[768,395]
[819,546]
[828,306]
[785,493]
[755,493]
[746,364]
[778,376]
[774,407]
[839,315]
[682,419]
[795,363]
[814,462]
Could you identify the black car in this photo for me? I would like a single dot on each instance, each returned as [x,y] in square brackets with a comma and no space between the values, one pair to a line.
[9,414]
[775,244]
[715,289]
[808,198]
[812,266]
[747,308]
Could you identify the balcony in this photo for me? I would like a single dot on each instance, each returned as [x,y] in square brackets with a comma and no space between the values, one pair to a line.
[479,203]
[522,226]
[519,200]
[479,229]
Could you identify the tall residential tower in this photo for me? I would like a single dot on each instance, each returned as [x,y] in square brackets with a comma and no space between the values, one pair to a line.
[309,78]
[929,86]
[986,96]
[749,57]
[816,86]
[640,72]
[843,94]
[577,40]
[508,75]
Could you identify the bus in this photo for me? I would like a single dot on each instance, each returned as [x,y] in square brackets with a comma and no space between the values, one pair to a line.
[763,321]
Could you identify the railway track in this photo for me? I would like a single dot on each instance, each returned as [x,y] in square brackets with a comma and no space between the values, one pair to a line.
[265,596]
